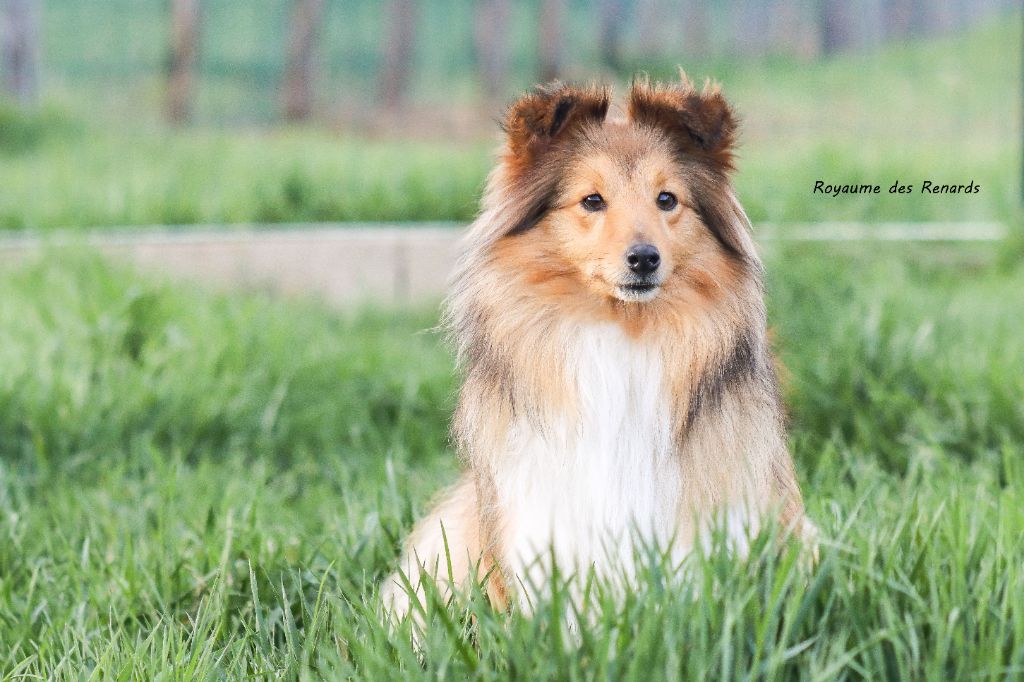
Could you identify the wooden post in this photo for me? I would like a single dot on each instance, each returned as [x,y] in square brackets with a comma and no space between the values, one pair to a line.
[836,26]
[490,36]
[551,39]
[19,50]
[300,69]
[751,23]
[184,55]
[612,17]
[398,52]
[696,28]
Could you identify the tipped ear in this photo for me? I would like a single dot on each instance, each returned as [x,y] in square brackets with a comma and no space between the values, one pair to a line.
[701,123]
[702,126]
[534,126]
[548,113]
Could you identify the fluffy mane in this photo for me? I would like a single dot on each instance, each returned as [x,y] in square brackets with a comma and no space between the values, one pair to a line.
[584,414]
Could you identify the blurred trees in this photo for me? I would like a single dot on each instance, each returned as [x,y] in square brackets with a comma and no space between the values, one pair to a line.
[19,49]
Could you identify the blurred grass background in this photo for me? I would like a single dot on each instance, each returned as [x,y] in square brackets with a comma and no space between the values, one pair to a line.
[940,107]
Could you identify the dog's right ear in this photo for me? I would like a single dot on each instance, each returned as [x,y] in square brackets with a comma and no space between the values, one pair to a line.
[536,122]
[700,123]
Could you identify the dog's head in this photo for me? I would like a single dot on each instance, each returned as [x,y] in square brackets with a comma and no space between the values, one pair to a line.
[633,209]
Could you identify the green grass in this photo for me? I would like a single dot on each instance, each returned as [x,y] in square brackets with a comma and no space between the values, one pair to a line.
[207,177]
[933,110]
[207,486]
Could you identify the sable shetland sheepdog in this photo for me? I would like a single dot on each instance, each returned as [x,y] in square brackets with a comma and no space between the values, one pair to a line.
[609,320]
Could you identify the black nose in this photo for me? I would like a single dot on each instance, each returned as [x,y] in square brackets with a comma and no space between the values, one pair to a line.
[643,259]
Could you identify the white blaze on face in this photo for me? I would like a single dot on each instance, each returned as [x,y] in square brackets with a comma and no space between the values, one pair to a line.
[590,484]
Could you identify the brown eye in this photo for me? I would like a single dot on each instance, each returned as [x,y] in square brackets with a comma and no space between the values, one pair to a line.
[667,201]
[592,202]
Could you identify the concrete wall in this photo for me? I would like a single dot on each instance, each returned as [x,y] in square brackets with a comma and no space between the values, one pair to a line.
[339,265]
[386,264]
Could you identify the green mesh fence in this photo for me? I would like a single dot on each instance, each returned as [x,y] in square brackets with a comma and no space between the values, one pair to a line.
[109,56]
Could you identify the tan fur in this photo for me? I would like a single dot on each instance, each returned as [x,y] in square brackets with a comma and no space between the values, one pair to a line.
[538,268]
[449,532]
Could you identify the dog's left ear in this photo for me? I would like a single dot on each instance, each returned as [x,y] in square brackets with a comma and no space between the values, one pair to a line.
[701,124]
[539,119]
[537,127]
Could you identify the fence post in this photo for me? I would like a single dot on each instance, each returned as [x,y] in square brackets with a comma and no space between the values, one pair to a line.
[491,40]
[19,49]
[184,54]
[551,37]
[299,70]
[398,52]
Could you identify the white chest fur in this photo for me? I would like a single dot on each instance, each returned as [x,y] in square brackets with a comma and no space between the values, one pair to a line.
[585,487]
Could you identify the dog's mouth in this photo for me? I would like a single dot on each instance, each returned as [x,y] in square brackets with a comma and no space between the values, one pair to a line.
[638,292]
